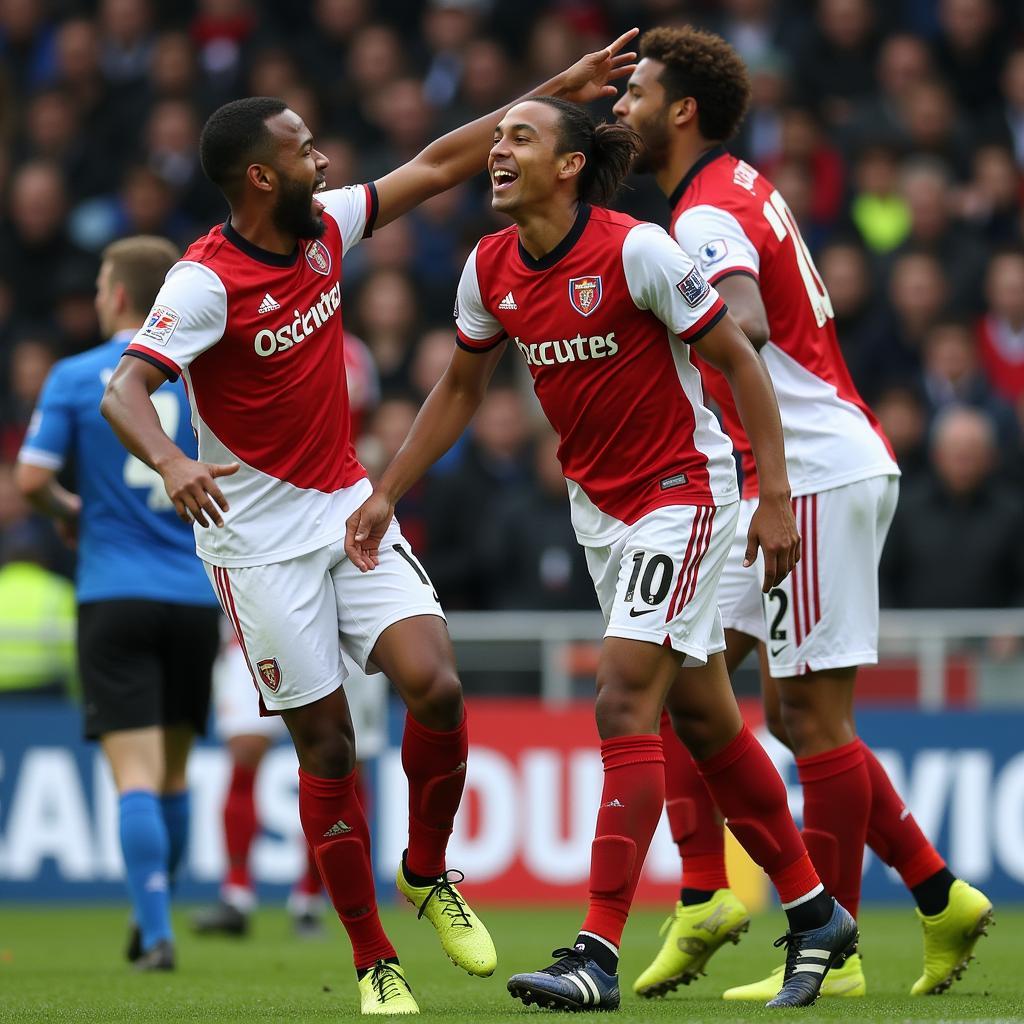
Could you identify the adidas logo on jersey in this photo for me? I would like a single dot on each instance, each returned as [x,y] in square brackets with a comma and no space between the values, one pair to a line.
[269,304]
[508,302]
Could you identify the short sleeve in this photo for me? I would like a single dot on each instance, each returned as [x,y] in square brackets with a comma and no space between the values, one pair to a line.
[51,431]
[716,241]
[476,328]
[188,317]
[665,281]
[355,209]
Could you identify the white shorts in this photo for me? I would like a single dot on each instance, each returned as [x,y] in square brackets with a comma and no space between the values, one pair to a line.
[739,590]
[236,703]
[825,614]
[293,618]
[659,581]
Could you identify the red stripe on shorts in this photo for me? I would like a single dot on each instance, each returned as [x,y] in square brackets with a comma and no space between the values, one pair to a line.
[797,624]
[228,604]
[682,568]
[702,549]
[814,549]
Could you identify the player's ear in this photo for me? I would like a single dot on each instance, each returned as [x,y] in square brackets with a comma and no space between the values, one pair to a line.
[259,176]
[683,111]
[570,165]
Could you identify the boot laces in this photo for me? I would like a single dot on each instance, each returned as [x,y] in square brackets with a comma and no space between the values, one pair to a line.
[568,960]
[452,904]
[386,981]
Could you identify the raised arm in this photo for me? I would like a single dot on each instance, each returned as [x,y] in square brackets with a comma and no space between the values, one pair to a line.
[462,153]
[773,527]
[126,405]
[441,420]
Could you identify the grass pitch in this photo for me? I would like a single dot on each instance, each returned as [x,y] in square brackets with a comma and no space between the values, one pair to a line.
[65,965]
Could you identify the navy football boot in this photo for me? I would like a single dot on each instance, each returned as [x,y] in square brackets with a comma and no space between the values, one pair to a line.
[811,954]
[573,982]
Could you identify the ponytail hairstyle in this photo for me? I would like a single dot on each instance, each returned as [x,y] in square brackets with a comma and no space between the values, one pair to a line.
[609,149]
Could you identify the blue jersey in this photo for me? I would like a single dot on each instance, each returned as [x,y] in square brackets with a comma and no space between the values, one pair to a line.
[131,543]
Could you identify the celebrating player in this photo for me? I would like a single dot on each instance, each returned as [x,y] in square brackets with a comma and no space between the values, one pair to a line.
[251,318]
[604,310]
[140,591]
[686,99]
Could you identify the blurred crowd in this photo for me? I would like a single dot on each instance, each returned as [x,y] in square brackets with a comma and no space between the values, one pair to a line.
[895,130]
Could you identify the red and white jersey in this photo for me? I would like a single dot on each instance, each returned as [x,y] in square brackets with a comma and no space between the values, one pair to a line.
[258,339]
[732,220]
[602,322]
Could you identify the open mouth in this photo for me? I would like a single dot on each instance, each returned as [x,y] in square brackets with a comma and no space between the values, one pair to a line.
[502,178]
[320,186]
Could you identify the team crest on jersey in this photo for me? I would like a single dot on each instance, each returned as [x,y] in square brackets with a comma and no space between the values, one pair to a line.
[271,673]
[585,293]
[713,251]
[160,325]
[318,257]
[694,288]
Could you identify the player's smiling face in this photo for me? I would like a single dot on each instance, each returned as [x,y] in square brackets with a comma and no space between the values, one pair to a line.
[300,170]
[643,108]
[524,164]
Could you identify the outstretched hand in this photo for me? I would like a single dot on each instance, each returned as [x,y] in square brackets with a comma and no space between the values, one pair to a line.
[588,79]
[365,529]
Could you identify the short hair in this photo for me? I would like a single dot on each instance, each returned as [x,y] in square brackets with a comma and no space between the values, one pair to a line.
[609,149]
[704,66]
[236,135]
[140,264]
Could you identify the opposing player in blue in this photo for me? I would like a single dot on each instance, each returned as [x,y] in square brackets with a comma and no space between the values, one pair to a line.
[147,617]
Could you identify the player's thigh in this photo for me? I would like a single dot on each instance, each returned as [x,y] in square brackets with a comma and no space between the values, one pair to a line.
[119,664]
[667,570]
[188,665]
[236,701]
[825,613]
[395,593]
[739,592]
[286,620]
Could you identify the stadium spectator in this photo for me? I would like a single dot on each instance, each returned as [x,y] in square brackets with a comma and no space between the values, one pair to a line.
[386,315]
[966,512]
[878,209]
[970,50]
[1001,329]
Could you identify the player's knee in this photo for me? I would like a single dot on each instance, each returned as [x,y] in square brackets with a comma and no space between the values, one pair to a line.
[434,698]
[773,720]
[324,748]
[624,708]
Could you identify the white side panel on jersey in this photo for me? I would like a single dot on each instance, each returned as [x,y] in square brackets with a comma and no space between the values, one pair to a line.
[708,436]
[829,441]
[264,510]
[594,528]
[348,206]
[656,270]
[716,240]
[471,316]
[188,316]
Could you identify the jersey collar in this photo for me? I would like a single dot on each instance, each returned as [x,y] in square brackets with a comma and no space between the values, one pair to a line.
[707,157]
[563,247]
[271,259]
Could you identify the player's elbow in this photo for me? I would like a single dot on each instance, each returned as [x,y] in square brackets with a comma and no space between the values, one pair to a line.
[30,480]
[755,328]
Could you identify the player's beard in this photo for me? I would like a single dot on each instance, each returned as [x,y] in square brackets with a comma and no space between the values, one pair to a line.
[293,211]
[654,154]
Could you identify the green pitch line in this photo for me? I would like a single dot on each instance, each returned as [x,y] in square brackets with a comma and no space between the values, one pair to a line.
[65,965]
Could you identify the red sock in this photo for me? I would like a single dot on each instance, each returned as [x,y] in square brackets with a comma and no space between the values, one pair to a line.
[240,825]
[892,831]
[435,764]
[310,884]
[695,821]
[837,803]
[752,796]
[335,827]
[631,804]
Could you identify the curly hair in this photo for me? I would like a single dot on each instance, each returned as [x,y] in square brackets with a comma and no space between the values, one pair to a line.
[706,67]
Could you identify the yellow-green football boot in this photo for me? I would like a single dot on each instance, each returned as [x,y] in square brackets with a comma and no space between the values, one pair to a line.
[847,980]
[949,938]
[692,935]
[383,991]
[463,937]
